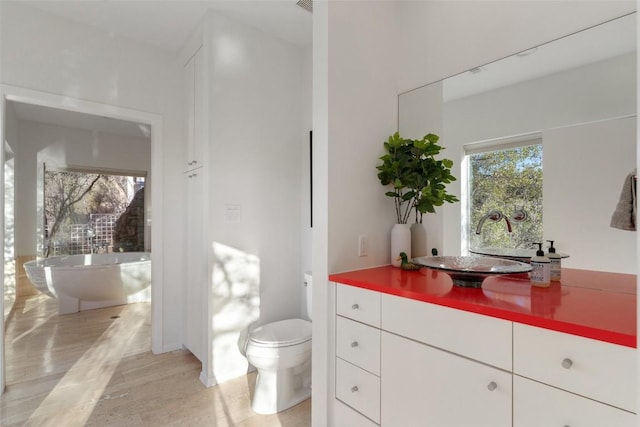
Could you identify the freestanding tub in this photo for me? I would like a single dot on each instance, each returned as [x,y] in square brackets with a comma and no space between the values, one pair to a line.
[85,282]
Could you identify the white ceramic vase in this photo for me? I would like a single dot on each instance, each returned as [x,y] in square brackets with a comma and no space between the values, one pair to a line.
[400,242]
[418,240]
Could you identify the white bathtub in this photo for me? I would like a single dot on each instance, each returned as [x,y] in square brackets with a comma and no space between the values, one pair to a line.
[85,282]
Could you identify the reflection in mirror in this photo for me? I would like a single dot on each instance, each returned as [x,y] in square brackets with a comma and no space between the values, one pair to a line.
[577,96]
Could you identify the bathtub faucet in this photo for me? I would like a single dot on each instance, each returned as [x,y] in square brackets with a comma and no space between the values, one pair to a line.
[495,216]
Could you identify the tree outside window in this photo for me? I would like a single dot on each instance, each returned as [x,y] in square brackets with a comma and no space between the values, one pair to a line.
[509,181]
[84,213]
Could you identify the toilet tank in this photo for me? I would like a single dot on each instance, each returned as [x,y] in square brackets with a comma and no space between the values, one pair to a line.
[309,291]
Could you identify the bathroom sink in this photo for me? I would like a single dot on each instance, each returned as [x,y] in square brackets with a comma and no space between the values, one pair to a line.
[515,254]
[470,271]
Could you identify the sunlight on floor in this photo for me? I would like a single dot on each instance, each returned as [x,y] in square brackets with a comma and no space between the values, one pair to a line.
[95,368]
[87,379]
[34,303]
[38,324]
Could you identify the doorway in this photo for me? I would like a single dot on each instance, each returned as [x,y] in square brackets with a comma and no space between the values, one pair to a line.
[149,122]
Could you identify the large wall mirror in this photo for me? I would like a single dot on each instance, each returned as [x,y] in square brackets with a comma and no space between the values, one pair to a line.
[576,98]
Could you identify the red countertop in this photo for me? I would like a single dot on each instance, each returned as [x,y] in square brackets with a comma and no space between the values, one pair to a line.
[590,304]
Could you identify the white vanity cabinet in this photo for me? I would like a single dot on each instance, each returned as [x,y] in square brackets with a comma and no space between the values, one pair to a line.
[194,76]
[404,362]
[589,382]
[443,366]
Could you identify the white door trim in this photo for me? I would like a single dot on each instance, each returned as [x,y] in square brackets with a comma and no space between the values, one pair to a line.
[18,94]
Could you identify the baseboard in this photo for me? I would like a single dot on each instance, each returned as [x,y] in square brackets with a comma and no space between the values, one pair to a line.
[206,380]
[167,348]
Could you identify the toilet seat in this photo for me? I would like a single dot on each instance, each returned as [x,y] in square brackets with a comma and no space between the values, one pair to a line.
[282,333]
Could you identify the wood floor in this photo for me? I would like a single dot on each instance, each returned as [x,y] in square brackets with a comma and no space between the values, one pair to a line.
[95,368]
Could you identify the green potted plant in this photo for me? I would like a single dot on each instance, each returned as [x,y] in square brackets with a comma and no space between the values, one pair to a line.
[418,183]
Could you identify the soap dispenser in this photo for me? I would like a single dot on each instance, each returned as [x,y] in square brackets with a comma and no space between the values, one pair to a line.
[541,269]
[556,267]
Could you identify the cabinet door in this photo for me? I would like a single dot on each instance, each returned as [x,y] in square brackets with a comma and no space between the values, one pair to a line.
[190,106]
[194,76]
[196,266]
[591,368]
[199,120]
[425,386]
[536,404]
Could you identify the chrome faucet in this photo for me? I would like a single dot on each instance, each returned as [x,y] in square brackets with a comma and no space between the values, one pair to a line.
[495,216]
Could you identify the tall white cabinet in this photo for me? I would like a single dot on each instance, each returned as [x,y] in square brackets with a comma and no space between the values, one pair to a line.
[194,177]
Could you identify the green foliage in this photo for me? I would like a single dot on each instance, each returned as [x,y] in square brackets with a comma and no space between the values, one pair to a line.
[418,179]
[506,180]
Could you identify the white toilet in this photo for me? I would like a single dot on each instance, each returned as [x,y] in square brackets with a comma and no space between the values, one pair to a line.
[281,353]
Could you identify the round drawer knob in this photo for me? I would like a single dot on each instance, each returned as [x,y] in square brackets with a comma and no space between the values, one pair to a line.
[354,389]
[354,344]
[492,386]
[355,306]
[567,363]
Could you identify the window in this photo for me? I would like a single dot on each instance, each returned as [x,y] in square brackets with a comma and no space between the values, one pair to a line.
[91,212]
[504,190]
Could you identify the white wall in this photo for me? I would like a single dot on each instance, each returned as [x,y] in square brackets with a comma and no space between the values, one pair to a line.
[355,107]
[307,125]
[63,146]
[362,113]
[46,53]
[584,170]
[257,130]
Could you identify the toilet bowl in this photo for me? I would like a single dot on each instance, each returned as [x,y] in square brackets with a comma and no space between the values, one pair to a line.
[281,353]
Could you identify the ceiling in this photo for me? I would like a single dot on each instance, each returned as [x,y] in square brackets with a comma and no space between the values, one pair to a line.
[77,120]
[598,43]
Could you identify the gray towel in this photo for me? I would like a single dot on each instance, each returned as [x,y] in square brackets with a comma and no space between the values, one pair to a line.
[624,217]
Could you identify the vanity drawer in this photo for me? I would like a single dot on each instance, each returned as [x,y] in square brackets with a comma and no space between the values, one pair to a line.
[482,338]
[358,304]
[358,388]
[536,404]
[359,344]
[345,416]
[595,369]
